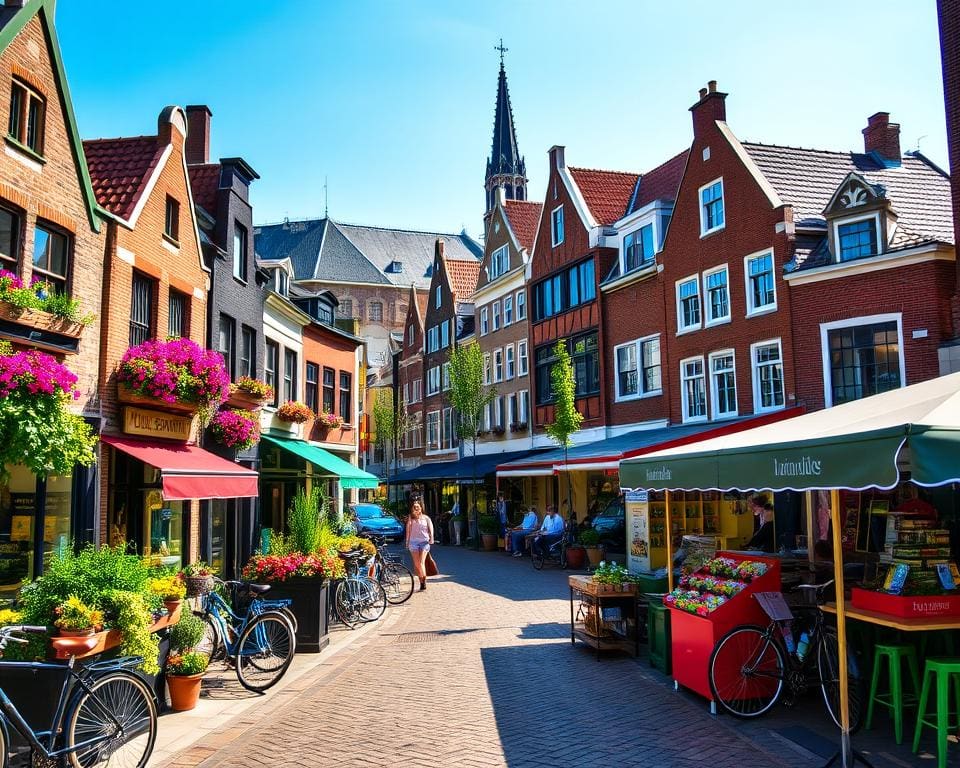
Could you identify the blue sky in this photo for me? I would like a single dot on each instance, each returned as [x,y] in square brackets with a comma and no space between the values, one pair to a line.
[393,102]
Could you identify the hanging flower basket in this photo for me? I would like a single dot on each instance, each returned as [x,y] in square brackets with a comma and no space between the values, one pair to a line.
[249,394]
[236,429]
[294,412]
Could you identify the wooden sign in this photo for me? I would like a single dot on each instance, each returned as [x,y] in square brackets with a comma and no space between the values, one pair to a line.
[142,421]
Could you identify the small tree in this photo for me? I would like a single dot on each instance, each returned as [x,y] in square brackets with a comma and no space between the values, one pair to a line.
[566,418]
[390,424]
[470,397]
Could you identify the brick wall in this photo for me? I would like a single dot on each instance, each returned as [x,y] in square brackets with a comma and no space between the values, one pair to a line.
[328,350]
[433,318]
[410,368]
[949,14]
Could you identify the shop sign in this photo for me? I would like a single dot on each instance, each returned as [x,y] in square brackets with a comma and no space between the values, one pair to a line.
[141,421]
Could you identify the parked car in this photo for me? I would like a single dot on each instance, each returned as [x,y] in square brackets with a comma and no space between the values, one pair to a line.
[373,519]
[611,524]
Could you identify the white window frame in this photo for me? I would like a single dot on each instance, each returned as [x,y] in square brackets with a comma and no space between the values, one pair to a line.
[487,423]
[837,223]
[439,298]
[499,409]
[687,418]
[554,229]
[507,311]
[444,334]
[753,311]
[411,335]
[641,393]
[487,368]
[433,387]
[523,359]
[825,329]
[497,366]
[654,234]
[433,339]
[754,376]
[406,392]
[715,392]
[705,301]
[521,303]
[524,407]
[681,329]
[484,321]
[417,390]
[501,253]
[703,219]
[495,312]
[438,421]
[509,363]
[445,377]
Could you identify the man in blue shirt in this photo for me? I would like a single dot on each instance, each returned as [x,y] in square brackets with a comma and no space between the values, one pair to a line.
[550,531]
[518,535]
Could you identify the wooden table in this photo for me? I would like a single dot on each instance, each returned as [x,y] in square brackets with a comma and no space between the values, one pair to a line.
[907,624]
[595,598]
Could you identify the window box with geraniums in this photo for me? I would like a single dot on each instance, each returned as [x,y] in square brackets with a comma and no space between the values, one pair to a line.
[174,375]
[39,306]
[235,429]
[249,394]
[294,412]
[327,421]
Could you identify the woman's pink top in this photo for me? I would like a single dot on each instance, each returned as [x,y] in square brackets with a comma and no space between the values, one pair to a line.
[420,530]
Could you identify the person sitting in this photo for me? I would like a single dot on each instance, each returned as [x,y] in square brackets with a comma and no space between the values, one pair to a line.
[518,534]
[764,539]
[550,532]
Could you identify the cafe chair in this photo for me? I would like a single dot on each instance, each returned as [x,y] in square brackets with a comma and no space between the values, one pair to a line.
[894,699]
[942,672]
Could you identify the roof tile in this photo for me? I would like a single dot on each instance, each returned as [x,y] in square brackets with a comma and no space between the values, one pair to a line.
[119,169]
[204,183]
[524,216]
[463,277]
[606,193]
[661,183]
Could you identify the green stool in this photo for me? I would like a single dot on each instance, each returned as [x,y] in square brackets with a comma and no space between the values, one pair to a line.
[894,700]
[945,670]
[658,635]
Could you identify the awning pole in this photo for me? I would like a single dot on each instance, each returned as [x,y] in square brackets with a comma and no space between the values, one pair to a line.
[845,752]
[810,534]
[669,528]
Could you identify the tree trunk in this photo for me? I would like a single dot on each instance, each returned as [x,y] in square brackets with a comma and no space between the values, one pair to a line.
[473,479]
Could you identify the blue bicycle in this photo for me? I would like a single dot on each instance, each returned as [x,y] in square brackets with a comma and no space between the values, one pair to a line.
[106,714]
[260,643]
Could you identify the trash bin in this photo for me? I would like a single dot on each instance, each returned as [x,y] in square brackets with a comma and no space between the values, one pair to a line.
[658,635]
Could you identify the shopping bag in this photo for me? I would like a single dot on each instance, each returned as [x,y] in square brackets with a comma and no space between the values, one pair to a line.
[430,566]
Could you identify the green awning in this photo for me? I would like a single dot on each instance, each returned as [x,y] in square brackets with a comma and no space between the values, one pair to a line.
[350,476]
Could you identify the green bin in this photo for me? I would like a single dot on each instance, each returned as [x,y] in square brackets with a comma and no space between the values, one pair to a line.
[658,635]
[654,584]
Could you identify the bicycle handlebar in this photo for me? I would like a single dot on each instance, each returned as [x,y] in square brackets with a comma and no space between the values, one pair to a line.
[25,628]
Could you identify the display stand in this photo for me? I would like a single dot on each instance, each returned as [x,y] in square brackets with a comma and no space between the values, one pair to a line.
[603,617]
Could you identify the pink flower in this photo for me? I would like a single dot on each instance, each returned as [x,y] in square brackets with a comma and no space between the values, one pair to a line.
[176,370]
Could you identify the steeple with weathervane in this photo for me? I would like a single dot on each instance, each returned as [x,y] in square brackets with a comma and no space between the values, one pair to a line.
[505,167]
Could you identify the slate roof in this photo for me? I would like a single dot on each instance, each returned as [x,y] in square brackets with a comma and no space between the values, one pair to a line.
[660,183]
[807,178]
[463,276]
[119,170]
[606,193]
[204,183]
[524,216]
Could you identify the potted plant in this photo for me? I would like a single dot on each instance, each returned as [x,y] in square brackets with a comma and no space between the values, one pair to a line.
[294,412]
[249,394]
[327,421]
[590,540]
[488,526]
[576,556]
[236,429]
[76,619]
[171,590]
[184,678]
[198,579]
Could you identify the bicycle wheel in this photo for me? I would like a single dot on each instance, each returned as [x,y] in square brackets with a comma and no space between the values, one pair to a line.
[374,601]
[212,643]
[746,672]
[347,602]
[264,652]
[3,748]
[828,659]
[536,557]
[397,582]
[120,705]
[563,557]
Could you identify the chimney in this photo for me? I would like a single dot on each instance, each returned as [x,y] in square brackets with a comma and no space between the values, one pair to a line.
[710,108]
[198,134]
[501,194]
[883,137]
[556,157]
[171,126]
[14,3]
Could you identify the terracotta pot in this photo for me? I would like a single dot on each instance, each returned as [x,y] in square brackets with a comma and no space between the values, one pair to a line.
[127,395]
[88,632]
[67,646]
[594,555]
[576,558]
[489,542]
[171,606]
[184,691]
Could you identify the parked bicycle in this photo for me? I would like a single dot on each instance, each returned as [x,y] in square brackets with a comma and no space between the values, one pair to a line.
[556,552]
[358,598]
[395,578]
[259,644]
[752,667]
[106,713]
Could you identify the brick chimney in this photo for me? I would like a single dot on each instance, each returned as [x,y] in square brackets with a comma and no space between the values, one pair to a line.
[710,108]
[882,136]
[198,134]
[557,159]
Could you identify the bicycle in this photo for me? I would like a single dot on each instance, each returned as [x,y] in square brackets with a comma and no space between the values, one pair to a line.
[751,667]
[556,552]
[105,711]
[260,644]
[395,578]
[358,598]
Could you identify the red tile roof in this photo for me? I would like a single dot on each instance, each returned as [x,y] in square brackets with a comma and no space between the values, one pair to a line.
[204,182]
[463,277]
[661,183]
[606,193]
[524,216]
[119,169]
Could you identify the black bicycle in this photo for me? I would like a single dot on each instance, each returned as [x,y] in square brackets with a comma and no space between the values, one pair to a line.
[751,667]
[106,714]
[556,552]
[395,578]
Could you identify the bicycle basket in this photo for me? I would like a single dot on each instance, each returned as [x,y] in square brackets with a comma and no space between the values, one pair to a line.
[774,605]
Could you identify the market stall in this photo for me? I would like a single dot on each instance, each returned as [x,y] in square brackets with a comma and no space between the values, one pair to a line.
[908,434]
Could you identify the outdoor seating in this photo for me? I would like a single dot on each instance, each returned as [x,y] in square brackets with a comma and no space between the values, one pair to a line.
[941,672]
[894,699]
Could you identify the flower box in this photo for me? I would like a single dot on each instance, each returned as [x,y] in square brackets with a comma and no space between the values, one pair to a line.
[37,318]
[127,395]
[244,400]
[905,606]
[111,638]
[588,586]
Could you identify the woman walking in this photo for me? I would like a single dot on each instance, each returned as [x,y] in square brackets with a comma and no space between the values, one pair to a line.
[419,538]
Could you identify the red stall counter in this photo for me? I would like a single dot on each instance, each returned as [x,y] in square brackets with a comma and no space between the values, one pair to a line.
[693,637]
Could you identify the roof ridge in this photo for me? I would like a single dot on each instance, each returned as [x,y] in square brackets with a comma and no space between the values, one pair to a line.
[843,152]
[522,202]
[336,222]
[121,138]
[666,162]
[601,170]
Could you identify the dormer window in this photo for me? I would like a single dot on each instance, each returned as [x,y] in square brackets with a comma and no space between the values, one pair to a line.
[395,267]
[281,282]
[638,248]
[499,262]
[857,239]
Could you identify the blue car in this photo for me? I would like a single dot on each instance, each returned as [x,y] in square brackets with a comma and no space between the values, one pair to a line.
[371,519]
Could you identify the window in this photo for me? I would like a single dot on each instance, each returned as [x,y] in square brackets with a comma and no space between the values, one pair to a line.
[488,417]
[51,256]
[141,309]
[650,358]
[486,368]
[311,389]
[524,406]
[513,410]
[270,362]
[571,288]
[171,222]
[433,380]
[861,358]
[239,251]
[433,339]
[289,374]
[248,357]
[585,358]
[688,304]
[628,383]
[507,311]
[177,315]
[444,334]
[281,282]
[638,368]
[761,288]
[521,305]
[498,414]
[717,295]
[406,392]
[376,311]
[329,381]
[711,207]
[723,384]
[9,240]
[438,298]
[556,226]
[27,115]
[857,239]
[433,431]
[638,248]
[227,343]
[411,335]
[445,377]
[693,389]
[499,262]
[346,308]
[346,401]
[417,390]
[767,364]
[484,322]
[449,430]
[511,362]
[496,315]
[523,362]
[498,365]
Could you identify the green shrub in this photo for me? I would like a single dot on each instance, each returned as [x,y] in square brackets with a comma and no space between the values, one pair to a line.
[188,664]
[187,633]
[488,524]
[589,537]
[132,617]
[306,520]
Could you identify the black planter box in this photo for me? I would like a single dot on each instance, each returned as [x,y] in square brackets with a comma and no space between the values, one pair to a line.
[311,606]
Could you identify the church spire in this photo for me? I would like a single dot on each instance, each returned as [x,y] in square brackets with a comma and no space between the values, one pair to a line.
[505,167]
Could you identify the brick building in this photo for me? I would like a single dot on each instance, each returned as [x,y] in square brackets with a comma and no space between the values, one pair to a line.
[49,229]
[409,382]
[948,12]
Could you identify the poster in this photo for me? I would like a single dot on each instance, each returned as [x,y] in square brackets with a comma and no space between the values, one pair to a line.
[638,532]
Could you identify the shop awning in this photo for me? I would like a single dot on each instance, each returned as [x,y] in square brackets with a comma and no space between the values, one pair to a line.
[461,470]
[867,443]
[350,476]
[189,472]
